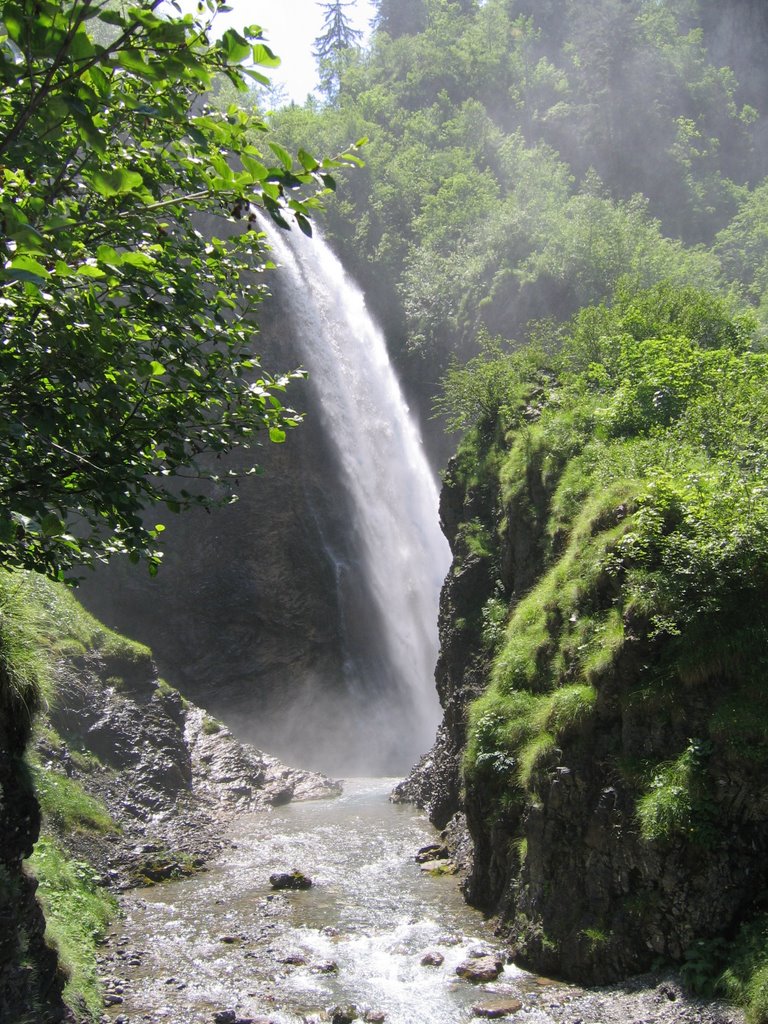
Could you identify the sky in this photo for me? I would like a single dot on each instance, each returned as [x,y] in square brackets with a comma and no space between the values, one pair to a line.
[290,28]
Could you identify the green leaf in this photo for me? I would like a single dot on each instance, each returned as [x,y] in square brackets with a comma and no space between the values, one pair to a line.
[282,155]
[276,435]
[140,260]
[106,254]
[116,182]
[236,48]
[256,169]
[25,268]
[89,270]
[304,225]
[51,525]
[308,162]
[263,56]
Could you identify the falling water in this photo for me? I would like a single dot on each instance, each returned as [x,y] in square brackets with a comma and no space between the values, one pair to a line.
[391,569]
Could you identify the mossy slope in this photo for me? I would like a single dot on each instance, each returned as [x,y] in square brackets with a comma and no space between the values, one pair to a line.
[614,764]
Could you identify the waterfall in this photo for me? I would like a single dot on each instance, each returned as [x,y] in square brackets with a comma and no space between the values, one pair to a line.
[391,567]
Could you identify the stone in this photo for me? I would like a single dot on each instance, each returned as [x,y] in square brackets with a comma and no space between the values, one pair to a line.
[375,1017]
[343,1014]
[434,851]
[439,867]
[479,969]
[501,1006]
[326,967]
[290,880]
[432,958]
[293,960]
[225,1017]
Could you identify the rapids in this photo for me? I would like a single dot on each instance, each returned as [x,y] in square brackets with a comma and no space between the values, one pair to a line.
[220,940]
[222,946]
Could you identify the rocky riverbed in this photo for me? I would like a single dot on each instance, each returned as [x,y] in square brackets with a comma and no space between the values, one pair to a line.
[374,938]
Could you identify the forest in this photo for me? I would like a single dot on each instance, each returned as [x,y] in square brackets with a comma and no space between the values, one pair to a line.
[558,212]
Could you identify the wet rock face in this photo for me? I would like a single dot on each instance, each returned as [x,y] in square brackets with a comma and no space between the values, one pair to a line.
[170,775]
[246,615]
[435,782]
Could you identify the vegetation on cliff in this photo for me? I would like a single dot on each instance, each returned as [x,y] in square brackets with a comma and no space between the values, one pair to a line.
[629,457]
[41,627]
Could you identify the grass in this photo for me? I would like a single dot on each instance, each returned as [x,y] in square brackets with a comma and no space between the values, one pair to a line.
[25,677]
[78,912]
[211,726]
[745,976]
[66,806]
[666,809]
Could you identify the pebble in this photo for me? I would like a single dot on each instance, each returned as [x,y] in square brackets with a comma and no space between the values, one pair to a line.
[495,1008]
[325,967]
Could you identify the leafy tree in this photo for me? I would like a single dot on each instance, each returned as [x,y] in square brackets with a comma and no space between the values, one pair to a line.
[400,17]
[127,285]
[332,46]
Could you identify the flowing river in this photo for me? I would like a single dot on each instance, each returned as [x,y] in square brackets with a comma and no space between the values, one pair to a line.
[224,940]
[222,946]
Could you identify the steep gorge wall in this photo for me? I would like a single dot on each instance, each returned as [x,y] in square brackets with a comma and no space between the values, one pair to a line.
[560,856]
[245,614]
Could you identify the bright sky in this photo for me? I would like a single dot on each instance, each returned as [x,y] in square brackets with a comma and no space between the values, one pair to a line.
[290,28]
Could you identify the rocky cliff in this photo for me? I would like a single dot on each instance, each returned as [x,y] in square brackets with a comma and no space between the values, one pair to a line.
[120,782]
[604,713]
[31,981]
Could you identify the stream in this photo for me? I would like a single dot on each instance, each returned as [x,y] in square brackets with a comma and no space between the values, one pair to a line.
[223,946]
[224,940]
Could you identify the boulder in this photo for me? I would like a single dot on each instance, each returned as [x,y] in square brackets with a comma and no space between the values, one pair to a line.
[343,1014]
[438,867]
[432,958]
[290,880]
[479,969]
[434,851]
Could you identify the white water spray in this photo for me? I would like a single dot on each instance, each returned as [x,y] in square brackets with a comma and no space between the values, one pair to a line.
[400,554]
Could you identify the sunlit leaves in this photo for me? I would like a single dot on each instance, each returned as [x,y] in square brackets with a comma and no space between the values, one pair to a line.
[127,287]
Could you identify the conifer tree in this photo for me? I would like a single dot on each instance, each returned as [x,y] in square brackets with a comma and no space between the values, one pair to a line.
[332,47]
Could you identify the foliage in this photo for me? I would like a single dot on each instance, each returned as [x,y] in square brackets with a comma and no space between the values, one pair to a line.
[524,157]
[24,670]
[668,807]
[647,465]
[78,911]
[127,287]
[495,384]
[745,978]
